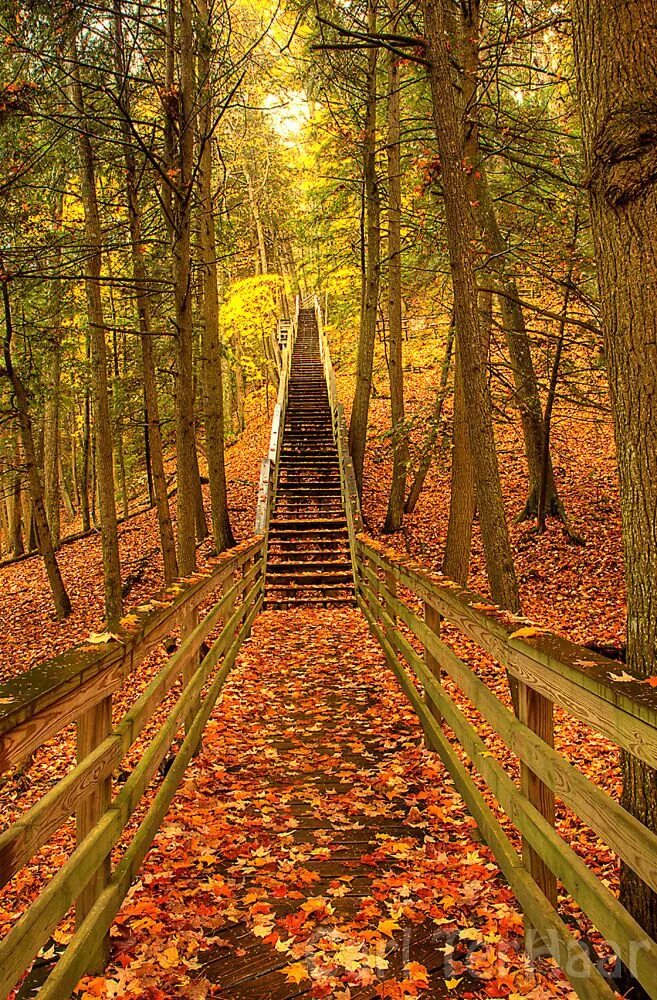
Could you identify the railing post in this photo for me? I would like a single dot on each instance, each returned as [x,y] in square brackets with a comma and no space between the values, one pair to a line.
[537,713]
[188,623]
[93,726]
[390,584]
[432,621]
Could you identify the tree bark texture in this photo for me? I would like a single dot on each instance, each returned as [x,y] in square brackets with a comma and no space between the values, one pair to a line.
[369,305]
[97,333]
[471,337]
[615,46]
[395,511]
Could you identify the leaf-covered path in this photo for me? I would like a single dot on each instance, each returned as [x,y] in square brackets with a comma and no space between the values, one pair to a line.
[316,848]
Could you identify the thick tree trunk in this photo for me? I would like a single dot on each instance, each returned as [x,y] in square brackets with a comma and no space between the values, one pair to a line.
[615,48]
[372,247]
[151,402]
[102,418]
[471,336]
[211,370]
[395,512]
[60,597]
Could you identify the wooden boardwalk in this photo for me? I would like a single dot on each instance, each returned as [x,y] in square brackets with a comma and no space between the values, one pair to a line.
[319,843]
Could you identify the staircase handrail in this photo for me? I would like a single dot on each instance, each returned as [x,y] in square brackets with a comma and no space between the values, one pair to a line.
[348,489]
[269,466]
[79,687]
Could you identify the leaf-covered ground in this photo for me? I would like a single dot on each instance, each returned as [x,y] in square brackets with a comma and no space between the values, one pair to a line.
[30,633]
[316,848]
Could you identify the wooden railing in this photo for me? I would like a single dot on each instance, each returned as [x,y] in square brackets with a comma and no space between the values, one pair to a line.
[350,498]
[550,671]
[78,687]
[269,467]
[405,605]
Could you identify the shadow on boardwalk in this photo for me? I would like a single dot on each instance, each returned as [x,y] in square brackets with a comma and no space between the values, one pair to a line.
[316,848]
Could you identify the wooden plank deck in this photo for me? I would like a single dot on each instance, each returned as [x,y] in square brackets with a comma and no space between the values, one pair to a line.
[315,847]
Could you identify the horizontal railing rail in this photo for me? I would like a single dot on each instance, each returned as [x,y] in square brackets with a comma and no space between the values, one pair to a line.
[348,490]
[549,671]
[270,464]
[78,686]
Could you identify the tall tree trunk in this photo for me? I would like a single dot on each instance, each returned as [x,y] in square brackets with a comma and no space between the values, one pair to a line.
[51,444]
[15,514]
[187,474]
[463,498]
[151,403]
[471,336]
[426,453]
[372,245]
[615,48]
[85,466]
[60,597]
[97,328]
[495,245]
[263,263]
[395,511]
[239,383]
[211,369]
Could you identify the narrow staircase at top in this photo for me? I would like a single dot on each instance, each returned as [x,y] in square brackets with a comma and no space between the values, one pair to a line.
[308,554]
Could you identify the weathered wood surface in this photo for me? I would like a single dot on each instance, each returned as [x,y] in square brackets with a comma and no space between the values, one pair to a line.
[86,875]
[587,982]
[578,680]
[532,808]
[45,699]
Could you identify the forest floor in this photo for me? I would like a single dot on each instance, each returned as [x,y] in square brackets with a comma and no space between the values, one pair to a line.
[572,589]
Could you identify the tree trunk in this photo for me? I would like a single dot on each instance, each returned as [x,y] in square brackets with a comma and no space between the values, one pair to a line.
[211,370]
[495,245]
[263,263]
[102,418]
[51,459]
[395,360]
[60,597]
[85,467]
[151,402]
[239,383]
[615,62]
[15,513]
[471,336]
[426,453]
[187,468]
[370,298]
[463,499]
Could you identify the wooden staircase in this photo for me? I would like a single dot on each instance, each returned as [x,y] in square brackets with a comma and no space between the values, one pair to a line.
[308,561]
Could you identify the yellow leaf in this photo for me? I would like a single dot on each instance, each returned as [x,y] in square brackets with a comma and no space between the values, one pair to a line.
[99,637]
[169,958]
[527,632]
[451,984]
[387,927]
[295,973]
[469,934]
